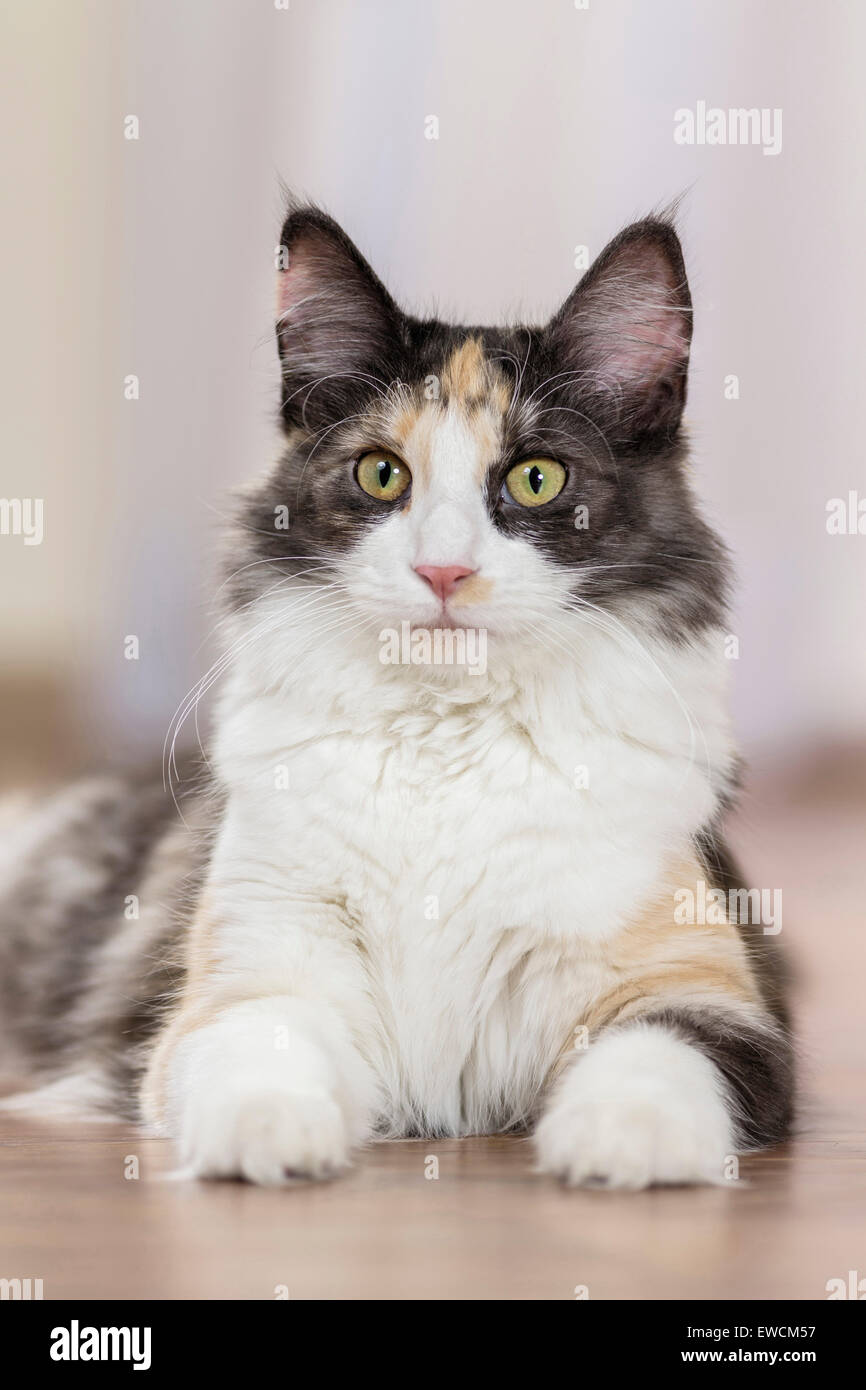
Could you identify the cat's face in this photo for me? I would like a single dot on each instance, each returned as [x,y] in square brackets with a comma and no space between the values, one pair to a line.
[497,479]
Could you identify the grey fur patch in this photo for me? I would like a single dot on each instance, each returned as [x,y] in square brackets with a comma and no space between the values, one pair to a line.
[89,929]
[756,1064]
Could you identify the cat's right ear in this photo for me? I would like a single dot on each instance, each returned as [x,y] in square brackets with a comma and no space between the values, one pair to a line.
[338,329]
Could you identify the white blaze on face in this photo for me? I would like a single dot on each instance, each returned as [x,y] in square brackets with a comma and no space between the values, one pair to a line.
[447,518]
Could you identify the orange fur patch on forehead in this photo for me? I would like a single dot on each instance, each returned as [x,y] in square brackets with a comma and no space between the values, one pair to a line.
[472,380]
[471,388]
[465,373]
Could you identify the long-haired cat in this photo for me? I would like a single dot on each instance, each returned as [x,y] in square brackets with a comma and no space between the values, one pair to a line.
[470,757]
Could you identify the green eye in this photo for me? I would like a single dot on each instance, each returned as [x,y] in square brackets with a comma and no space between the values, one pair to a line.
[382,475]
[535,481]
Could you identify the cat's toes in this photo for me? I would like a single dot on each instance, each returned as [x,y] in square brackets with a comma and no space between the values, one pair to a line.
[267,1137]
[629,1144]
[625,1126]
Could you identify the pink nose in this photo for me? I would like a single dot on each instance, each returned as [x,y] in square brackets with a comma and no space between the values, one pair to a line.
[443,579]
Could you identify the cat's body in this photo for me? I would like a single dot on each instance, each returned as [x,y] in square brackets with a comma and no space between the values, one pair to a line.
[424,899]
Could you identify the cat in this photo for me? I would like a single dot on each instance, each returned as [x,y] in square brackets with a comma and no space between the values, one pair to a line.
[421,897]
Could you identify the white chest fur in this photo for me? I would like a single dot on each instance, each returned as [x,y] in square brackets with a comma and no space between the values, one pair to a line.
[475,842]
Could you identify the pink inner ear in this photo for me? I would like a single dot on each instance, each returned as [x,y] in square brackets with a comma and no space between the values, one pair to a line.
[636,326]
[292,283]
[307,274]
[283,292]
[645,344]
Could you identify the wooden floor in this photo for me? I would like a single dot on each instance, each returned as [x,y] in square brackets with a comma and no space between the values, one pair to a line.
[487,1227]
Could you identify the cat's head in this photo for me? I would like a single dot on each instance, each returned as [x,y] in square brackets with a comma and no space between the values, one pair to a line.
[505,479]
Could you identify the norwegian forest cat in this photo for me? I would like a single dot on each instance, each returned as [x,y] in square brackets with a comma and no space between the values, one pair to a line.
[419,892]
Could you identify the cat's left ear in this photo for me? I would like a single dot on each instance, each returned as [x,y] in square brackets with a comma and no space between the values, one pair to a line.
[626,332]
[338,329]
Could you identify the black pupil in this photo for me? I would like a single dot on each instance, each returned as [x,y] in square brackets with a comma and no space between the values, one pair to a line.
[385,472]
[536,479]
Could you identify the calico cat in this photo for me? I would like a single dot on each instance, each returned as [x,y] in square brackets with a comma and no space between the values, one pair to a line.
[418,896]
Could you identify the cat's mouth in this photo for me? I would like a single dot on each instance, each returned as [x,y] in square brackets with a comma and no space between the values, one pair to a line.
[450,615]
[444,619]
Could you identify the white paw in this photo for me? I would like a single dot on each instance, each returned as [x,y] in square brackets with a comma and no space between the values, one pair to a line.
[265,1136]
[266,1093]
[641,1107]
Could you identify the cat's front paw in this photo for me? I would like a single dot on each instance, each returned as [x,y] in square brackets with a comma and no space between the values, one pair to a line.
[266,1136]
[641,1108]
[270,1090]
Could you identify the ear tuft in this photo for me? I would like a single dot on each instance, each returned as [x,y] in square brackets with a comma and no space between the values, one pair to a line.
[627,330]
[336,323]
